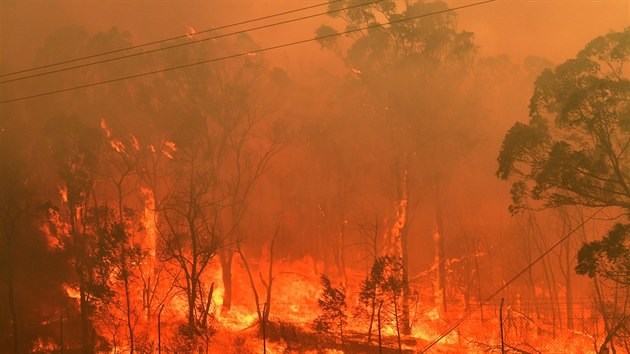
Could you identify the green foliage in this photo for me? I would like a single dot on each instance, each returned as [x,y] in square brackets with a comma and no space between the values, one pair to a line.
[400,71]
[574,149]
[608,257]
[333,304]
[418,43]
[521,141]
[100,252]
[384,284]
[326,36]
[66,42]
[75,150]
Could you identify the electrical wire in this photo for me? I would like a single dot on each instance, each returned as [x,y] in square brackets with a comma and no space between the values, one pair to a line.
[171,38]
[518,275]
[252,52]
[191,42]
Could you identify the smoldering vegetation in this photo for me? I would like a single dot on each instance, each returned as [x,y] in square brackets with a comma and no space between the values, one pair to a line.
[345,200]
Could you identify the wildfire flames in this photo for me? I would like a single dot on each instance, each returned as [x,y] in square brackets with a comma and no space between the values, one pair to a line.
[312,180]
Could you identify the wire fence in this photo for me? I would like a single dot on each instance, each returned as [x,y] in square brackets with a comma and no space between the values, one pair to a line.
[534,326]
[533,332]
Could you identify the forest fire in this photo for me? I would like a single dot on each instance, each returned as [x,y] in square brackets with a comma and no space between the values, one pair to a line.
[316,179]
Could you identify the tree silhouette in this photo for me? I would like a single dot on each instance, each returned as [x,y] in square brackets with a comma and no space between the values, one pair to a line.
[393,65]
[384,288]
[574,149]
[608,257]
[333,305]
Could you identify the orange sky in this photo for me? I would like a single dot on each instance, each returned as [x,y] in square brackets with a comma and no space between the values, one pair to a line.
[555,29]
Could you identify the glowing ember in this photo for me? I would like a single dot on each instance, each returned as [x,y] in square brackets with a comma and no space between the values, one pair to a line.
[266,189]
[169,149]
[190,32]
[108,132]
[72,291]
[63,194]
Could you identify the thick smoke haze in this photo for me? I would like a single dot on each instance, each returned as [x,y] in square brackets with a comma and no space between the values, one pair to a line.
[210,208]
[552,29]
[556,30]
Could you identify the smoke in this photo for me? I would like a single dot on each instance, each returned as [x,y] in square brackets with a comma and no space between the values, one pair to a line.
[551,29]
[333,189]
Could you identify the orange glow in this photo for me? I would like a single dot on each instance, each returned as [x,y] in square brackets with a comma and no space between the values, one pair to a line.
[149,219]
[108,132]
[153,153]
[72,292]
[63,194]
[190,32]
[169,149]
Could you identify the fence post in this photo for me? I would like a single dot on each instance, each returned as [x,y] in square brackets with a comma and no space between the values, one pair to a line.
[380,343]
[61,332]
[160,330]
[501,325]
[264,334]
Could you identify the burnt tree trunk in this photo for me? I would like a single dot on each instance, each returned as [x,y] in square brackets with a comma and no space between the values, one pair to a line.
[478,275]
[608,326]
[263,313]
[269,283]
[375,255]
[80,268]
[192,283]
[373,311]
[226,275]
[125,277]
[11,287]
[123,263]
[440,252]
[567,270]
[405,317]
[403,229]
[569,286]
[86,323]
[396,320]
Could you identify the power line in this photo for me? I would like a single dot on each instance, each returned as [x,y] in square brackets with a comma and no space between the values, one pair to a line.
[170,39]
[253,52]
[190,42]
[518,275]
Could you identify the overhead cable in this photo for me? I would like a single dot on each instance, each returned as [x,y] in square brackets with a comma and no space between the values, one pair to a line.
[214,29]
[514,278]
[241,54]
[189,42]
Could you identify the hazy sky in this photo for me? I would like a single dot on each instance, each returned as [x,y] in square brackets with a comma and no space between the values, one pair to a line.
[555,29]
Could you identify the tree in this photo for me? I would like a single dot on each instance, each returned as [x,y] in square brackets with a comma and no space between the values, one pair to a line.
[82,226]
[608,257]
[243,136]
[234,127]
[263,313]
[122,160]
[574,149]
[384,288]
[333,305]
[394,64]
[15,194]
[187,227]
[94,237]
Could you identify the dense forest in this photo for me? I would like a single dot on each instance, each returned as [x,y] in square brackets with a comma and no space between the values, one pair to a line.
[199,194]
